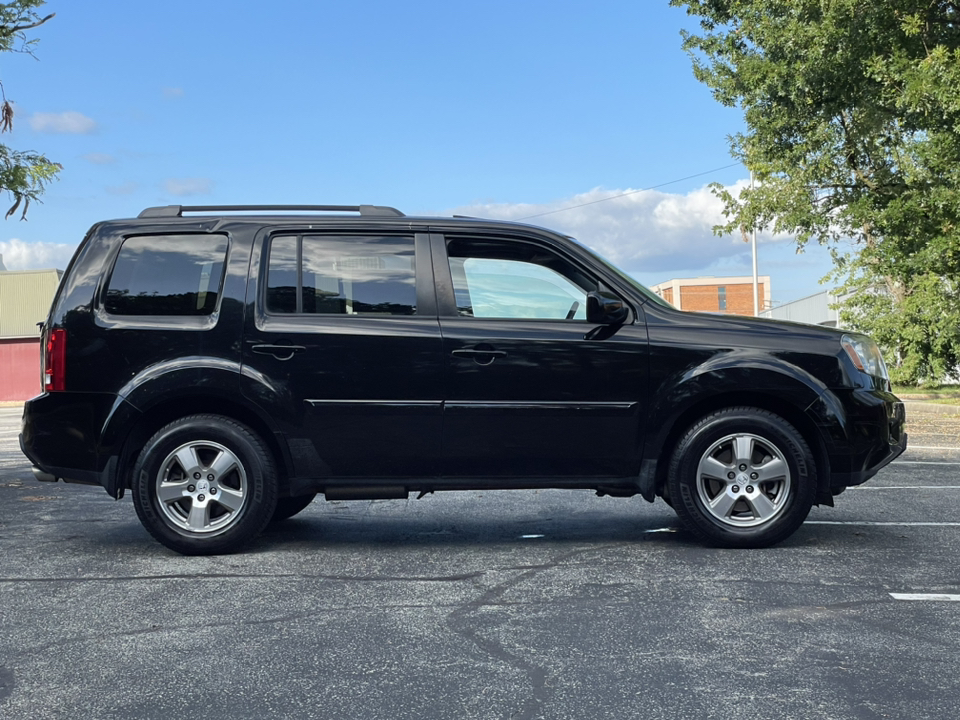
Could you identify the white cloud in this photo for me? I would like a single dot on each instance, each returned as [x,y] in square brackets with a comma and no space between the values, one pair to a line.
[646,231]
[20,255]
[188,186]
[99,158]
[172,92]
[70,122]
[128,188]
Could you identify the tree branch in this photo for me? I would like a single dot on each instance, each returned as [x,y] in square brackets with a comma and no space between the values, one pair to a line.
[19,28]
[851,158]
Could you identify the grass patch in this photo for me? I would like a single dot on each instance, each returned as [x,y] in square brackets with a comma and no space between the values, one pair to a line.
[935,392]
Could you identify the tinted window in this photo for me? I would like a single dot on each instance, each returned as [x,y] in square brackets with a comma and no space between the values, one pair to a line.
[282,275]
[167,275]
[342,275]
[502,279]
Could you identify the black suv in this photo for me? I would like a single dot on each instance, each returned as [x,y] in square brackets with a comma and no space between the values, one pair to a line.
[228,363]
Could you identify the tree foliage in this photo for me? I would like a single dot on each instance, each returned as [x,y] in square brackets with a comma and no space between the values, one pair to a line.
[852,110]
[23,174]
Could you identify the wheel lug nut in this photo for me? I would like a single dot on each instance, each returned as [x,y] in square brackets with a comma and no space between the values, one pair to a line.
[742,468]
[736,488]
[201,497]
[191,488]
[731,475]
[196,476]
[213,491]
[753,476]
[749,488]
[210,477]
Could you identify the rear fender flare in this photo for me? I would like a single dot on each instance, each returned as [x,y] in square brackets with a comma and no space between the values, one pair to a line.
[201,384]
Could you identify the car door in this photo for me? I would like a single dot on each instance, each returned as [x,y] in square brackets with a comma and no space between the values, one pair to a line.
[342,347]
[534,390]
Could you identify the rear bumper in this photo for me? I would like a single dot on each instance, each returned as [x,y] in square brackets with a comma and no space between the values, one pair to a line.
[76,437]
[52,473]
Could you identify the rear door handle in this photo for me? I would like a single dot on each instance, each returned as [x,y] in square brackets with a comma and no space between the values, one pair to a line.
[480,355]
[472,352]
[281,352]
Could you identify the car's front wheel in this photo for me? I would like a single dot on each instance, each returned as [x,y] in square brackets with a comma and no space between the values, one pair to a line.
[204,485]
[742,477]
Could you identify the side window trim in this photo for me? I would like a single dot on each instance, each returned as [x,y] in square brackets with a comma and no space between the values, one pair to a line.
[424,267]
[443,280]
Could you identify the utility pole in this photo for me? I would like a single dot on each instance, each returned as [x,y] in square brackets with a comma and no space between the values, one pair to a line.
[756,284]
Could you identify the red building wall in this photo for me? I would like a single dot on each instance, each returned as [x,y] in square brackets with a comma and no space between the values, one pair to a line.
[706,298]
[19,369]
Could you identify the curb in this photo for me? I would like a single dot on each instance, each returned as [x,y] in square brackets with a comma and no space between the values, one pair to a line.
[928,408]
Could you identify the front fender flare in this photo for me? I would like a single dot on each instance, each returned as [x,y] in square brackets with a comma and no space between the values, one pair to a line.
[738,377]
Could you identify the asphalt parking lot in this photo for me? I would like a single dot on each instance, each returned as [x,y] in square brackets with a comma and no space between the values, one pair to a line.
[553,604]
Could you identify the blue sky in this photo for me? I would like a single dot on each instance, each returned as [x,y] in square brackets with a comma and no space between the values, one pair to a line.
[501,109]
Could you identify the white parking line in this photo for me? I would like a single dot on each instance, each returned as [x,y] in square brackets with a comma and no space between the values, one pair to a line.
[926,596]
[922,462]
[898,524]
[931,447]
[906,487]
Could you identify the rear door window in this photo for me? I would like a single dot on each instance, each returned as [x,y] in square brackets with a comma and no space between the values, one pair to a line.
[341,275]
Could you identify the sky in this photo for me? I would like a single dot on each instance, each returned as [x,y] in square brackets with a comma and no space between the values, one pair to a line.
[519,109]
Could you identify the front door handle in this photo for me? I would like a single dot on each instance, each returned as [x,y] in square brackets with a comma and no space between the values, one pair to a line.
[281,352]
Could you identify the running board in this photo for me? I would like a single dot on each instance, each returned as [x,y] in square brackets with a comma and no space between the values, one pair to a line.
[372,492]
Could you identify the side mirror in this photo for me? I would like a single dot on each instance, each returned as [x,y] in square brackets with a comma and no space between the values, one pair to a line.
[604,308]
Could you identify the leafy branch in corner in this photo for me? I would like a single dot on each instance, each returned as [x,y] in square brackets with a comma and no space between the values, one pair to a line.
[23,174]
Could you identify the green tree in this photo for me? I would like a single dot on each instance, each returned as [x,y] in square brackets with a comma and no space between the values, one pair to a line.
[23,174]
[852,110]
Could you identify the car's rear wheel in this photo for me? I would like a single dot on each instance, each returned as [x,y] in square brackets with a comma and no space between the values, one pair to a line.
[204,484]
[289,506]
[742,477]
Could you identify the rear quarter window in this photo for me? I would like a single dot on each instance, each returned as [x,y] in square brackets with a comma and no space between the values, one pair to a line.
[167,275]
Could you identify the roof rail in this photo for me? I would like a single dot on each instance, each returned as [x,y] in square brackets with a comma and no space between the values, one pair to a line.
[178,210]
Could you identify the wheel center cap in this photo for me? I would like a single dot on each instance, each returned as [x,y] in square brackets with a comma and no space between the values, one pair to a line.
[742,479]
[202,486]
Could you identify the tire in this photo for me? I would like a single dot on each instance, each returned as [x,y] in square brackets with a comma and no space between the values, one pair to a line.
[742,478]
[289,506]
[204,485]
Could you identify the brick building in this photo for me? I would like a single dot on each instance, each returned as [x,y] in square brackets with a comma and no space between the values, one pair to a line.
[725,295]
[25,298]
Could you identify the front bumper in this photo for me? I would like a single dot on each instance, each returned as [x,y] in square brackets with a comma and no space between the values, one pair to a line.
[863,431]
[874,465]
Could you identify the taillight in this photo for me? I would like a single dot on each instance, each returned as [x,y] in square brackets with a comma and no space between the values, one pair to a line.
[55,361]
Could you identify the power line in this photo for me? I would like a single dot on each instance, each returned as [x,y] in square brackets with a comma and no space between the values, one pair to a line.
[631,192]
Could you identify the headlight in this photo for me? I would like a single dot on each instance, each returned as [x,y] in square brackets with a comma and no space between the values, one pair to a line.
[865,355]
